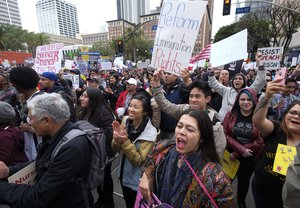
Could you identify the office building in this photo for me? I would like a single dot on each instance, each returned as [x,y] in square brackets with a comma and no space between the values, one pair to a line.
[131,10]
[149,25]
[57,17]
[117,28]
[9,12]
[89,39]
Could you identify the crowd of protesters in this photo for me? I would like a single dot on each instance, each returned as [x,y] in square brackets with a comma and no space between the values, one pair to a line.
[161,123]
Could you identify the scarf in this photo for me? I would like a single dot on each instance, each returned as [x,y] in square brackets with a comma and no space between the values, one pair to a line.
[174,181]
[133,133]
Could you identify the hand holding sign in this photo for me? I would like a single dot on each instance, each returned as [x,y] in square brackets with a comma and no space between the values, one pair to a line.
[4,171]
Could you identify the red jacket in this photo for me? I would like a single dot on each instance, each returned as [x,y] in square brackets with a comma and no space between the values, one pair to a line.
[12,146]
[256,144]
[121,100]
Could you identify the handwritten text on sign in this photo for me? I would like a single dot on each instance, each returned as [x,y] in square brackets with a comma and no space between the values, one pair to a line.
[48,58]
[176,34]
[283,158]
[24,176]
[271,57]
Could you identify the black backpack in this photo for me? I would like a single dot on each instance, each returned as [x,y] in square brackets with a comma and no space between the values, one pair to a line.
[99,157]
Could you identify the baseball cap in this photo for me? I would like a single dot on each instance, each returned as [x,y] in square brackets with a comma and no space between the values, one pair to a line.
[132,81]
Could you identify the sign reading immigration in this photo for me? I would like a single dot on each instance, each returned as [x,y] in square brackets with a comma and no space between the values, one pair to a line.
[48,58]
[177,30]
[271,57]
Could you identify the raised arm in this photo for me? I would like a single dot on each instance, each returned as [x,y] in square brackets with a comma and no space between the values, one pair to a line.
[215,85]
[260,80]
[260,113]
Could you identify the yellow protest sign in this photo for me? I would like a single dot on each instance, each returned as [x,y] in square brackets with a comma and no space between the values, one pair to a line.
[230,167]
[283,158]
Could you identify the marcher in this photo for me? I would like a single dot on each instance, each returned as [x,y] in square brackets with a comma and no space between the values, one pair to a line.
[243,140]
[11,139]
[175,183]
[55,182]
[266,184]
[95,109]
[135,140]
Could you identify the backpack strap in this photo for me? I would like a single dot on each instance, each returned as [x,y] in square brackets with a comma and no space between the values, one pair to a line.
[66,138]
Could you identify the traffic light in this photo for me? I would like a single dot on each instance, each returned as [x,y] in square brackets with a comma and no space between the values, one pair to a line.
[226,7]
[119,47]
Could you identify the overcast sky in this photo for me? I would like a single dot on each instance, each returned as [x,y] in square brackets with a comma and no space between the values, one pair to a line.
[92,14]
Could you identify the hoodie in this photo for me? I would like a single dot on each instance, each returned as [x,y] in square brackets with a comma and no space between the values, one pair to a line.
[256,142]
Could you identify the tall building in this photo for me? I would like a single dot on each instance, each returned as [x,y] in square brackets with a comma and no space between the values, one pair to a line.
[9,12]
[57,17]
[131,10]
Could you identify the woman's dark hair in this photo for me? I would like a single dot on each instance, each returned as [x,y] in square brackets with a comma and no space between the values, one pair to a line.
[283,124]
[96,108]
[146,103]
[208,146]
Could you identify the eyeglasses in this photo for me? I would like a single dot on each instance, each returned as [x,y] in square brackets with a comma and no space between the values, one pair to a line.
[291,87]
[294,113]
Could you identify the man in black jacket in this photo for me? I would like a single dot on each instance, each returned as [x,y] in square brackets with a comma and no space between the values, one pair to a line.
[56,184]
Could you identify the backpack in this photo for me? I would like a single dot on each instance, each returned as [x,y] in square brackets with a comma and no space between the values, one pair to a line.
[98,153]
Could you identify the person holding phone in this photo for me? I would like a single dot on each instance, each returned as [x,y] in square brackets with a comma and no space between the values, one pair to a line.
[280,101]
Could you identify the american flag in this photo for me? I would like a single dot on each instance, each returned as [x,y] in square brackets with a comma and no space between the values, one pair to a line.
[204,54]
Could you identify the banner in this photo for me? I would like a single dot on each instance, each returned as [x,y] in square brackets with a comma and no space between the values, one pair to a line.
[177,30]
[234,67]
[230,49]
[271,57]
[106,65]
[24,176]
[48,58]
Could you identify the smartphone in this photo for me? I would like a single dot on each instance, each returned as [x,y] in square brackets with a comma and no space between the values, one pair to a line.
[281,74]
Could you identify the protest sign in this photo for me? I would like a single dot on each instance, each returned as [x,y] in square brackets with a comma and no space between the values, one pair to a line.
[283,158]
[69,64]
[142,65]
[177,30]
[82,66]
[271,57]
[24,176]
[230,49]
[229,166]
[106,65]
[74,78]
[48,58]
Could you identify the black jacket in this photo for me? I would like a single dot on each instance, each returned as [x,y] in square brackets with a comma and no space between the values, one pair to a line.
[55,182]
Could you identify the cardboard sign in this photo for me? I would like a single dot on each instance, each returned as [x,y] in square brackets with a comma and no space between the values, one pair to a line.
[230,49]
[230,167]
[74,78]
[177,30]
[24,176]
[271,57]
[106,65]
[48,58]
[283,158]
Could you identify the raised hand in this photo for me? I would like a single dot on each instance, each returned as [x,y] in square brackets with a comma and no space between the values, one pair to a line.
[119,133]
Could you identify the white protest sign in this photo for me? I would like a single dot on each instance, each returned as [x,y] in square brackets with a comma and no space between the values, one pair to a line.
[230,49]
[106,65]
[251,65]
[69,64]
[24,176]
[142,65]
[271,57]
[177,30]
[74,78]
[6,63]
[201,63]
[294,61]
[48,58]
[118,62]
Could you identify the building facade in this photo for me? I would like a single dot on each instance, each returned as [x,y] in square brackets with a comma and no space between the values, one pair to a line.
[149,25]
[117,28]
[89,39]
[63,39]
[9,12]
[131,10]
[57,17]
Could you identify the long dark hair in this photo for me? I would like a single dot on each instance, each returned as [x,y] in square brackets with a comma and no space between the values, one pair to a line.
[283,124]
[208,146]
[96,107]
